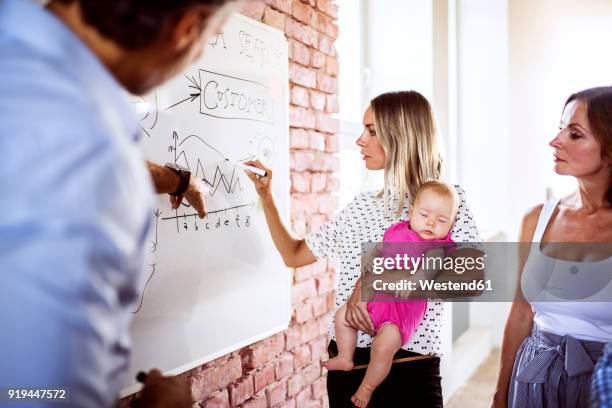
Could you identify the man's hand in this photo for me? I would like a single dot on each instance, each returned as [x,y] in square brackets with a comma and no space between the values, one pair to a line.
[167,181]
[194,196]
[163,392]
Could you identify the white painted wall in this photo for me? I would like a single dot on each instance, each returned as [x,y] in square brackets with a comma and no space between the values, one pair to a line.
[482,109]
[556,47]
[383,46]
[482,131]
[399,46]
[351,59]
[352,98]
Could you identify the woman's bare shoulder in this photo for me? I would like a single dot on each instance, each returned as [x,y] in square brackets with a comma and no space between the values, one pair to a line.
[530,222]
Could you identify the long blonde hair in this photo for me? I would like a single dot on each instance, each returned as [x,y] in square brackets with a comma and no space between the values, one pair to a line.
[406,131]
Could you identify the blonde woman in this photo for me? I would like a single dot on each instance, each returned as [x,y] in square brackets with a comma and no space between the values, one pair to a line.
[399,137]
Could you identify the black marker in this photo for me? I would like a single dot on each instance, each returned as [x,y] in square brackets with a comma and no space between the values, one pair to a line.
[141,377]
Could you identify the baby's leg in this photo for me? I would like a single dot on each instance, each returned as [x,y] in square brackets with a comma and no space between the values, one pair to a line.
[387,342]
[346,339]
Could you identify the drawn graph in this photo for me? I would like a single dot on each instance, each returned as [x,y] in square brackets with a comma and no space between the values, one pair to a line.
[196,144]
[211,166]
[227,205]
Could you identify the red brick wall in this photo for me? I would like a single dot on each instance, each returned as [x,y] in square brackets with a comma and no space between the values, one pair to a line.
[284,370]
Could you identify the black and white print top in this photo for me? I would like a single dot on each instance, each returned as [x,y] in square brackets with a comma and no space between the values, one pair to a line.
[364,220]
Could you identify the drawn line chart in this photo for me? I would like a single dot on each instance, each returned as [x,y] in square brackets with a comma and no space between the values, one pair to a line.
[208,212]
[230,184]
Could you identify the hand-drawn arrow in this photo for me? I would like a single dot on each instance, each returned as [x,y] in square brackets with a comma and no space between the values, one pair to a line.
[192,96]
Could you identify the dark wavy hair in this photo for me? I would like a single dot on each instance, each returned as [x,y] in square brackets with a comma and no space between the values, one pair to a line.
[599,112]
[134,24]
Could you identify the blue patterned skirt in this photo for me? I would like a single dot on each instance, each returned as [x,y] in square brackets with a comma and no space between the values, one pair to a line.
[553,371]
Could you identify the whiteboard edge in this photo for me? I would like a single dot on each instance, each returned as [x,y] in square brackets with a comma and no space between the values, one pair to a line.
[197,363]
[259,24]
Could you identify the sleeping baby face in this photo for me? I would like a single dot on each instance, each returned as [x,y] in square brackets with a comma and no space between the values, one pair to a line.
[432,214]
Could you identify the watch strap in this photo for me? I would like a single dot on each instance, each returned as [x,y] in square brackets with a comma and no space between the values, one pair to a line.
[184,176]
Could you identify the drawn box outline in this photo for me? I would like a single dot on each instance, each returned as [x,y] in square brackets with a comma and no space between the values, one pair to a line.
[202,103]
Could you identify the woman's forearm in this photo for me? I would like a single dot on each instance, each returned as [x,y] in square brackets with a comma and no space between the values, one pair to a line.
[518,326]
[294,251]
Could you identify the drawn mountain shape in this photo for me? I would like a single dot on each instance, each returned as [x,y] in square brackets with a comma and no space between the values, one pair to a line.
[181,160]
[219,179]
[200,170]
[198,150]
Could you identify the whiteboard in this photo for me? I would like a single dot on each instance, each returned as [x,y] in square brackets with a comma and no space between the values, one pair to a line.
[215,285]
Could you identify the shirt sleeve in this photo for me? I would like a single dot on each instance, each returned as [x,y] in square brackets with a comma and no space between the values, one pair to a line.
[74,266]
[464,229]
[327,240]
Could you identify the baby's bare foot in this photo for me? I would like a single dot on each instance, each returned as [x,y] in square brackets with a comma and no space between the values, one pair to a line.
[362,397]
[338,364]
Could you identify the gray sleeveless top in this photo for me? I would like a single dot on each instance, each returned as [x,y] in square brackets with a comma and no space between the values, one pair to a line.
[568,298]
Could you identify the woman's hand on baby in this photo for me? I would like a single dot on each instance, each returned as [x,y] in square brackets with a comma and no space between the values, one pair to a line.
[403,294]
[368,255]
[435,253]
[263,185]
[357,315]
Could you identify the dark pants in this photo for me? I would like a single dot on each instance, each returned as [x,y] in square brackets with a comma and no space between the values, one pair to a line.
[409,384]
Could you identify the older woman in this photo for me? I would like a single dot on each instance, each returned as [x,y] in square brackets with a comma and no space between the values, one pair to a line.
[399,137]
[550,346]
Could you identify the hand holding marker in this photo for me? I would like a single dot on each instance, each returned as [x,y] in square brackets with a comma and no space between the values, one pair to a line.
[252,169]
[262,180]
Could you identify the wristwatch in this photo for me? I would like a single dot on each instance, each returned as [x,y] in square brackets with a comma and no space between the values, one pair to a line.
[184,176]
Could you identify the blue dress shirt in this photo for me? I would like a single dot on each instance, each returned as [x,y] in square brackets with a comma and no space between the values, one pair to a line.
[75,211]
[601,390]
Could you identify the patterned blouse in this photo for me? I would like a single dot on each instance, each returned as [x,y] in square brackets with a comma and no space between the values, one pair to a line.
[364,220]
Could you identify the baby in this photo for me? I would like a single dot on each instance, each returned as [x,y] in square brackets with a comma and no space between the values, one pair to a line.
[431,218]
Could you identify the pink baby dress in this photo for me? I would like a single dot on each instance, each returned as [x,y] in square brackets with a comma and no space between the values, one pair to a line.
[386,308]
